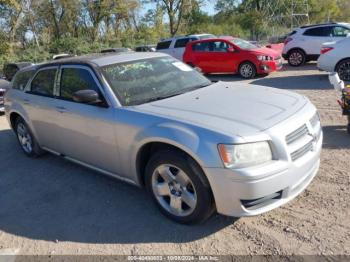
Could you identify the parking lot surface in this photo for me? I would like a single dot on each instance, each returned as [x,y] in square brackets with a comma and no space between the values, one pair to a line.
[51,206]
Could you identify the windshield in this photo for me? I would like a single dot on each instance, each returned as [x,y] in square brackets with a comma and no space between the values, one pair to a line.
[243,44]
[147,80]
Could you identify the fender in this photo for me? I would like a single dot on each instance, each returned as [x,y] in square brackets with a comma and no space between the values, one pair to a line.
[178,135]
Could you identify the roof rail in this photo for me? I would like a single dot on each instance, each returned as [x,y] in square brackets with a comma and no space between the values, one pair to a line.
[307,26]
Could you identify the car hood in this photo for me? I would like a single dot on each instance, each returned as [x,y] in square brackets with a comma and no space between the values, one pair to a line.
[233,108]
[266,51]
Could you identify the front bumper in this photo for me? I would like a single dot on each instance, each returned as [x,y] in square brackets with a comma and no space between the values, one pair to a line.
[255,190]
[269,66]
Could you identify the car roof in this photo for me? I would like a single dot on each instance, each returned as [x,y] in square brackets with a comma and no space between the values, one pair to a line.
[100,59]
[182,36]
[323,24]
[213,39]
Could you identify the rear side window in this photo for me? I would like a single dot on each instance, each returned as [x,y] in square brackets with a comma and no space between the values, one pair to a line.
[319,31]
[9,71]
[75,79]
[21,79]
[163,45]
[201,47]
[211,46]
[182,42]
[43,83]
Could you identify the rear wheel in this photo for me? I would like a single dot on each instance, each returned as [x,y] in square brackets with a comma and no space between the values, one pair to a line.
[26,139]
[179,187]
[343,70]
[247,70]
[296,57]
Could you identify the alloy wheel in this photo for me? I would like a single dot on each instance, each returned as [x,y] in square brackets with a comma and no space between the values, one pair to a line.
[24,137]
[344,70]
[174,190]
[296,58]
[246,70]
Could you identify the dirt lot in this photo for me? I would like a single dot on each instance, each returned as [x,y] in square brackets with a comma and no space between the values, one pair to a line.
[51,206]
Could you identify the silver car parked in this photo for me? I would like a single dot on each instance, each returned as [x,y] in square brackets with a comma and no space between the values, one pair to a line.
[150,120]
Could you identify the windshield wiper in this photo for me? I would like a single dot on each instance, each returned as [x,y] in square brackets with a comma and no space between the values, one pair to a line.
[175,94]
[162,97]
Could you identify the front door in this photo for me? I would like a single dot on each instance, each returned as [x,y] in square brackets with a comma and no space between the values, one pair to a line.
[87,131]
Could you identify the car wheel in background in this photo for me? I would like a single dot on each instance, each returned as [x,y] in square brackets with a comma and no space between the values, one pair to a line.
[296,57]
[179,187]
[26,139]
[343,70]
[247,70]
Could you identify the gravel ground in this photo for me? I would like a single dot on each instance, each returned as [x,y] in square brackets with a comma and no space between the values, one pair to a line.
[51,206]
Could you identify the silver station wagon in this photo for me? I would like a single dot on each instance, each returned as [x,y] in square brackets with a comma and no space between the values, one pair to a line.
[150,120]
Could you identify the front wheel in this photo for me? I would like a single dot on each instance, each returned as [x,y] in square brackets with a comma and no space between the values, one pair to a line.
[179,187]
[247,70]
[343,70]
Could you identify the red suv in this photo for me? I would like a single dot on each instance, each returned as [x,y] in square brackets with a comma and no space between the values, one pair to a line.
[231,55]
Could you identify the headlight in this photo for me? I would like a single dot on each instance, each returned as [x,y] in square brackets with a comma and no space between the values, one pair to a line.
[264,58]
[243,155]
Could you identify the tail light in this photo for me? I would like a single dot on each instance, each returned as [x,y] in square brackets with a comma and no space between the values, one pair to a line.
[326,49]
[287,40]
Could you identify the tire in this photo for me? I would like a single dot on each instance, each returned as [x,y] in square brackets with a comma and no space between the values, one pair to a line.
[343,69]
[26,139]
[178,187]
[247,70]
[348,129]
[296,57]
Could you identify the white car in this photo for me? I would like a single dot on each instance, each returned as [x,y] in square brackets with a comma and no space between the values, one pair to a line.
[176,46]
[335,57]
[303,44]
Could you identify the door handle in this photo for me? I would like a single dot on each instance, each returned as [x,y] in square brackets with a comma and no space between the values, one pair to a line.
[61,109]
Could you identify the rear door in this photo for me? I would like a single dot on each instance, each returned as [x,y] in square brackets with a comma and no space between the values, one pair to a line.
[87,131]
[315,37]
[40,105]
[179,47]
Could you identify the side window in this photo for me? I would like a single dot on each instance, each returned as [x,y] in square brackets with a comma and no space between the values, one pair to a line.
[210,46]
[339,31]
[181,42]
[163,45]
[319,31]
[75,79]
[43,82]
[21,79]
[201,47]
[220,46]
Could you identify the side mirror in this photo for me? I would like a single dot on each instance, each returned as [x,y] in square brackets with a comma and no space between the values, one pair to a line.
[86,96]
[230,50]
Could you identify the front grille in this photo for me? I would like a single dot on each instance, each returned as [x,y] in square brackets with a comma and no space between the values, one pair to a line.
[297,134]
[301,141]
[302,151]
